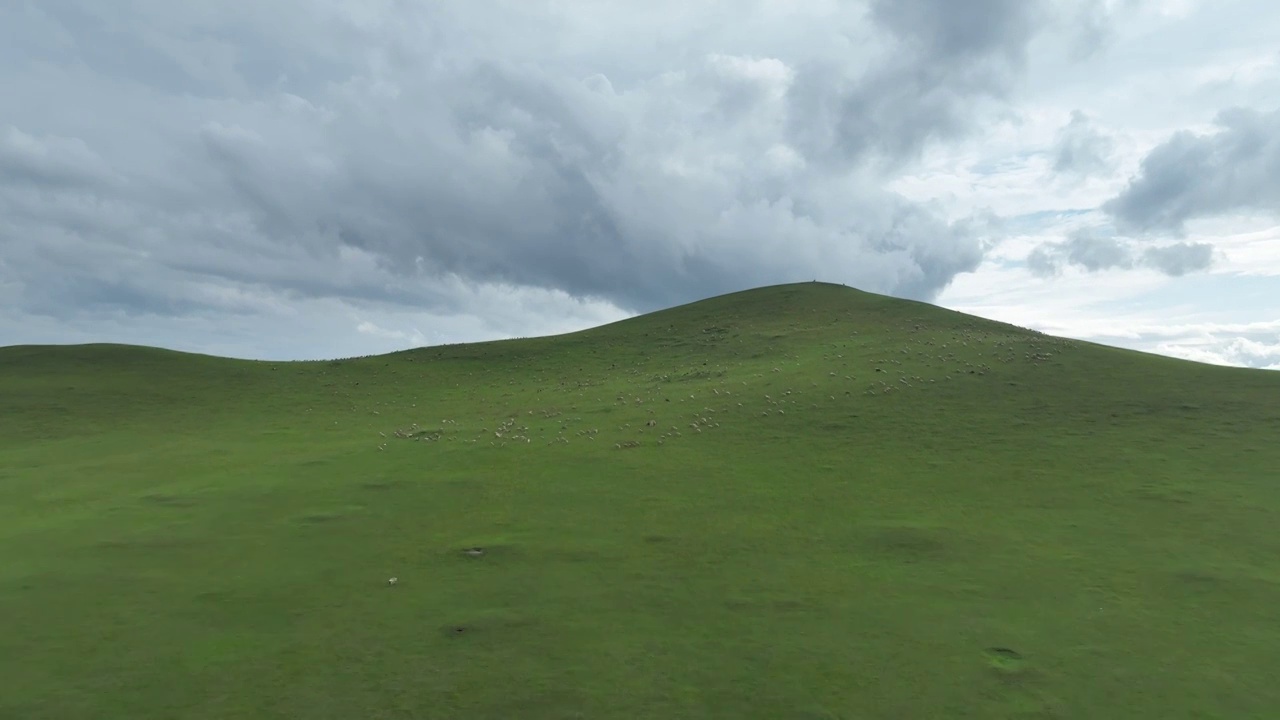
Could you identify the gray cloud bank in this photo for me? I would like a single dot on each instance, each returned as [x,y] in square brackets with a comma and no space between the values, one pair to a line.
[1082,149]
[212,164]
[1094,253]
[161,158]
[1192,176]
[1188,176]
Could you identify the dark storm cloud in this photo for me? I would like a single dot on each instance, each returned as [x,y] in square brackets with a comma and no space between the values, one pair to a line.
[948,58]
[1192,176]
[1081,248]
[941,31]
[524,179]
[1095,252]
[27,160]
[1043,262]
[1179,258]
[160,156]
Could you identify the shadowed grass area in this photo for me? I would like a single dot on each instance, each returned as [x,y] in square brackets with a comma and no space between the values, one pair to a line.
[801,501]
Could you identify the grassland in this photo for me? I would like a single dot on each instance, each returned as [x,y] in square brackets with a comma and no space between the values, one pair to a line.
[796,502]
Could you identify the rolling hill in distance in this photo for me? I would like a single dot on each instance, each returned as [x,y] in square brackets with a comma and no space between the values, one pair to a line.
[800,501]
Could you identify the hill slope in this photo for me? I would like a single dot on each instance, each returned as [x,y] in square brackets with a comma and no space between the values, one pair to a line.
[800,501]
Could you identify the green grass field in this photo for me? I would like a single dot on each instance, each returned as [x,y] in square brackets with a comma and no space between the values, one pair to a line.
[801,501]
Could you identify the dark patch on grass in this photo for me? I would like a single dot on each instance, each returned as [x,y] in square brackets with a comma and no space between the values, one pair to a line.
[319,517]
[1009,663]
[484,624]
[146,543]
[1166,493]
[167,500]
[657,539]
[484,551]
[1206,588]
[909,543]
[1197,578]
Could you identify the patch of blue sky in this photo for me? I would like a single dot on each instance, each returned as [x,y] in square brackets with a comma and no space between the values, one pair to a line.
[1243,298]
[1028,223]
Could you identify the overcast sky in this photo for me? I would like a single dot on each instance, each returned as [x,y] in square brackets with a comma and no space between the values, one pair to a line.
[327,178]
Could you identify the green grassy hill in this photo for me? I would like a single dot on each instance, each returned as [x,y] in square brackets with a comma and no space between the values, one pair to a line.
[801,501]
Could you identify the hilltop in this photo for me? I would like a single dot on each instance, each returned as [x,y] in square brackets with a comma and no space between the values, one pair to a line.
[795,501]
